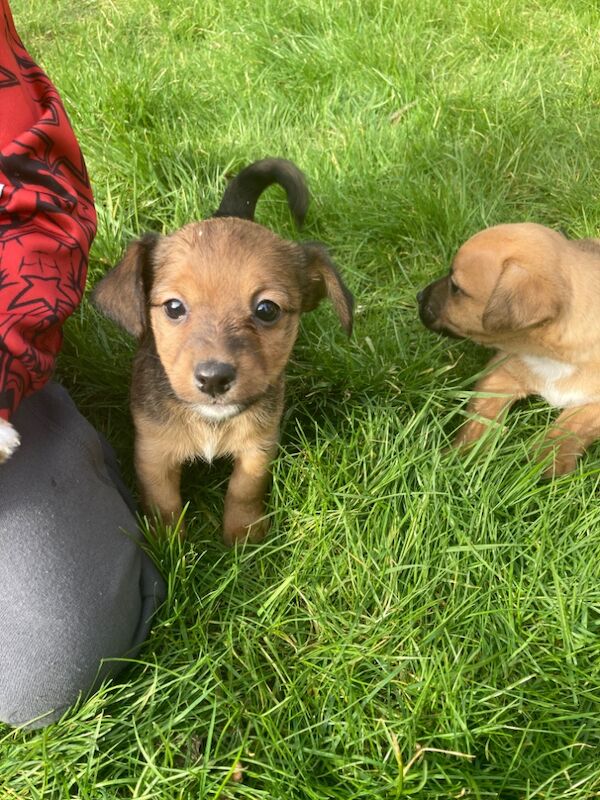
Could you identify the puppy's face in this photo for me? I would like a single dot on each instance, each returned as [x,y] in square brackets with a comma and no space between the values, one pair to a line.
[224,312]
[504,284]
[221,301]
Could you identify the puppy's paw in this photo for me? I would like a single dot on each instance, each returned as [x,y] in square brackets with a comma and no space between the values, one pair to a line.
[559,453]
[9,440]
[161,522]
[468,434]
[244,524]
[562,464]
[173,523]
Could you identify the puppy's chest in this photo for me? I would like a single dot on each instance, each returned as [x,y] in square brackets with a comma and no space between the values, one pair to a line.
[209,445]
[209,441]
[561,384]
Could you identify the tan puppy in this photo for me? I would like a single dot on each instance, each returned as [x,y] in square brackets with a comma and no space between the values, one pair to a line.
[216,308]
[533,295]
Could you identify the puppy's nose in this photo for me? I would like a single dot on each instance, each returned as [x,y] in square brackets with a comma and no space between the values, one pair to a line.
[214,377]
[428,307]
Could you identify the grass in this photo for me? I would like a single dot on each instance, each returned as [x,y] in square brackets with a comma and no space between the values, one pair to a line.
[416,625]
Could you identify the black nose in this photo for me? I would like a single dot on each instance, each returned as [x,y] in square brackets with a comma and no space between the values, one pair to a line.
[428,307]
[214,377]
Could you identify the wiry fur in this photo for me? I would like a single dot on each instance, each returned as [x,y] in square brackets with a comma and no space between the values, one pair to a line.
[219,270]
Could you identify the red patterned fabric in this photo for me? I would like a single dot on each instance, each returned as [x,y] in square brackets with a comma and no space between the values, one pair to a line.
[47,220]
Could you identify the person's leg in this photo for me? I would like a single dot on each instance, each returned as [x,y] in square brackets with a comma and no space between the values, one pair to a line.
[75,586]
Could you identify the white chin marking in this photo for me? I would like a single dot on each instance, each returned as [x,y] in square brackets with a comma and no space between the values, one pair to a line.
[217,413]
[9,440]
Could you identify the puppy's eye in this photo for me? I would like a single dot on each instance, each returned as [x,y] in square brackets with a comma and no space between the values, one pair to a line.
[174,309]
[454,288]
[267,311]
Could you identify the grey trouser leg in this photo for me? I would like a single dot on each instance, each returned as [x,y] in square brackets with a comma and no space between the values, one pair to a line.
[75,587]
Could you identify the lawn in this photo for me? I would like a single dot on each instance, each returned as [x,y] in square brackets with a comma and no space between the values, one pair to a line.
[416,624]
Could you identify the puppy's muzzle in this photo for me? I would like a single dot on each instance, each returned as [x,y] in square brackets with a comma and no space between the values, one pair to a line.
[431,302]
[214,378]
[429,306]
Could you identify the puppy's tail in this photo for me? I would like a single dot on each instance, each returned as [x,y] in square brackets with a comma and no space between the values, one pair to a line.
[242,194]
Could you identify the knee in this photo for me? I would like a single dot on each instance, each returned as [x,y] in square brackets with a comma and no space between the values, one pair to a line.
[47,667]
[77,591]
[57,645]
[67,621]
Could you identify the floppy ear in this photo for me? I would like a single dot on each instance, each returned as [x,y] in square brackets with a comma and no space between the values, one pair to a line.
[323,280]
[520,300]
[121,294]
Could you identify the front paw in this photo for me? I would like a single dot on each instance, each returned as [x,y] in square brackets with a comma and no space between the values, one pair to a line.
[563,461]
[244,523]
[165,521]
[9,440]
[468,434]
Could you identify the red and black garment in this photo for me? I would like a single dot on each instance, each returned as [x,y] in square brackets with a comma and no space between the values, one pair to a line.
[47,221]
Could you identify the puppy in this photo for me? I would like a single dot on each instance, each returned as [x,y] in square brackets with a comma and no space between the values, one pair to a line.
[216,307]
[534,296]
[9,440]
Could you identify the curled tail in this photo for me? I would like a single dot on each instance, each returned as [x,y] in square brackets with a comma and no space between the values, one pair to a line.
[241,196]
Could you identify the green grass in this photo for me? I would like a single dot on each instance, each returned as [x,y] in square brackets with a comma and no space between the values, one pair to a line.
[417,624]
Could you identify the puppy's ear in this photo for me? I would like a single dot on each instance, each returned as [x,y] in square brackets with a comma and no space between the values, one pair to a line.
[520,300]
[121,294]
[323,280]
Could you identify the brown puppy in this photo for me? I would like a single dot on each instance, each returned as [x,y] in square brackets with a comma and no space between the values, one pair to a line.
[216,307]
[533,295]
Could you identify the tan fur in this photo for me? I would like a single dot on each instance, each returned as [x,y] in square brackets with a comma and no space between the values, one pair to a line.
[534,296]
[219,269]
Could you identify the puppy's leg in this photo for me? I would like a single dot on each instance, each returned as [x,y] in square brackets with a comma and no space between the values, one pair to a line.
[158,474]
[159,487]
[483,410]
[244,501]
[571,434]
